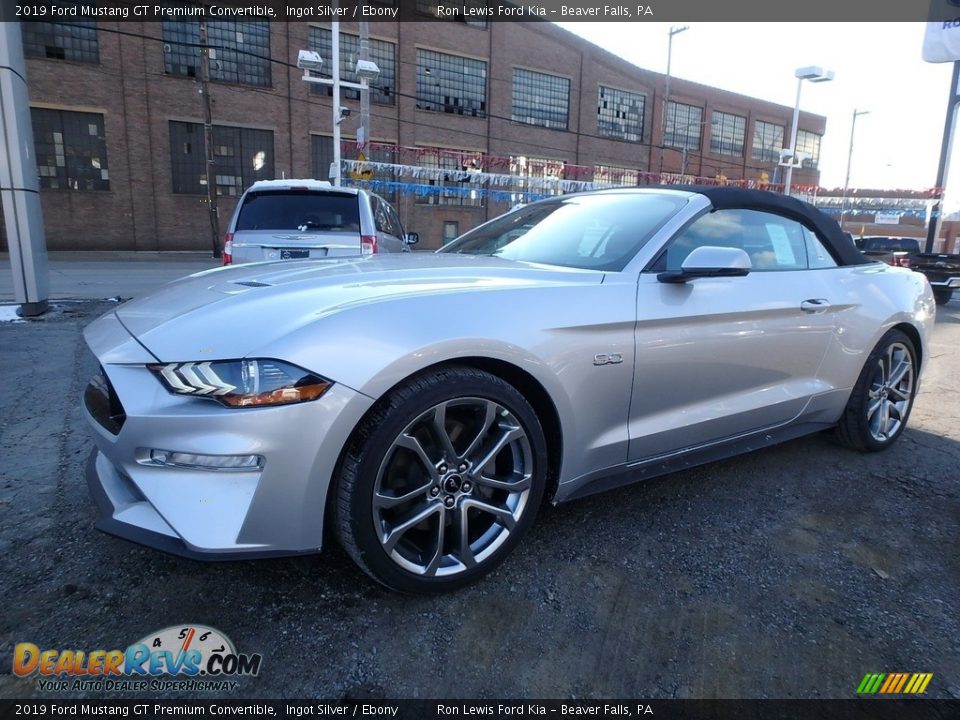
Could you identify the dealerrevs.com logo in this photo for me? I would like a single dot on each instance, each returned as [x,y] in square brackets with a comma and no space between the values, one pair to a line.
[180,657]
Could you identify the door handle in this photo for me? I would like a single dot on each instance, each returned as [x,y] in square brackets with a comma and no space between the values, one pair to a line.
[815,305]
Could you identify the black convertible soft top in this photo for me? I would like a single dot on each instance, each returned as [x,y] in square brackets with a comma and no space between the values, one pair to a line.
[839,245]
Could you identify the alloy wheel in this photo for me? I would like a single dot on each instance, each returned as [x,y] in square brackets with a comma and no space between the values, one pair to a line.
[452,486]
[890,393]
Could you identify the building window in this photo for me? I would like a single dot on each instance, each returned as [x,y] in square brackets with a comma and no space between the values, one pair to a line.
[430,7]
[457,188]
[451,230]
[241,156]
[809,143]
[767,142]
[382,53]
[61,41]
[540,99]
[451,84]
[239,51]
[606,176]
[727,133]
[71,150]
[620,114]
[538,176]
[684,124]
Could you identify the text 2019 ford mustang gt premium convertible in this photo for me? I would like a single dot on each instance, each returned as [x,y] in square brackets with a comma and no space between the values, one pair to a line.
[422,407]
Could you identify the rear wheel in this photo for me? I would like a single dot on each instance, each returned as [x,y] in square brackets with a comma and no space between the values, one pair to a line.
[439,484]
[880,403]
[942,297]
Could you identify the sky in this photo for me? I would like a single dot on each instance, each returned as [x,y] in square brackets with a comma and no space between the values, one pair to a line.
[878,67]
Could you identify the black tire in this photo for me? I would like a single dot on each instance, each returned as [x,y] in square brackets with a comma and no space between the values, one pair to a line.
[942,297]
[861,429]
[381,462]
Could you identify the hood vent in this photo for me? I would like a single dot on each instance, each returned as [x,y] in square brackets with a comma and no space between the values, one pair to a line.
[253,283]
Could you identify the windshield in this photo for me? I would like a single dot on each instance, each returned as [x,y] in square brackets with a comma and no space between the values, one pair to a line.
[299,210]
[591,232]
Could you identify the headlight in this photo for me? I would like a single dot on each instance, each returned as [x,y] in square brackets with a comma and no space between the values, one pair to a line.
[242,383]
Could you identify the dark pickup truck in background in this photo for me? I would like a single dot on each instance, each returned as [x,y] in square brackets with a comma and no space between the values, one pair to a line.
[942,270]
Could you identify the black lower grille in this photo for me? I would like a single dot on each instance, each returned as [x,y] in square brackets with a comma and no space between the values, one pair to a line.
[103,403]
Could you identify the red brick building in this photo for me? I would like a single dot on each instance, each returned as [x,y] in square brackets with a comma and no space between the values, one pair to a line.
[118,122]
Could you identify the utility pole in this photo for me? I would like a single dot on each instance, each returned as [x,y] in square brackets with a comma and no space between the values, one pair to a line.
[208,142]
[363,136]
[666,91]
[846,182]
[19,182]
[943,166]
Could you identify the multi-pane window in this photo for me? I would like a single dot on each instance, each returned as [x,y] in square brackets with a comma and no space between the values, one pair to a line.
[451,230]
[451,84]
[61,41]
[684,125]
[71,150]
[727,133]
[540,99]
[321,153]
[620,114]
[544,175]
[809,143]
[239,51]
[382,53]
[606,176]
[241,156]
[455,183]
[767,142]
[431,7]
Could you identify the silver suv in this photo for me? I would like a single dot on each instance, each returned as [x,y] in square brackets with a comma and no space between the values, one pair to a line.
[293,219]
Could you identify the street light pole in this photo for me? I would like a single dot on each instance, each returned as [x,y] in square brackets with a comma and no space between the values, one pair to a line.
[674,30]
[812,73]
[310,61]
[846,182]
[335,61]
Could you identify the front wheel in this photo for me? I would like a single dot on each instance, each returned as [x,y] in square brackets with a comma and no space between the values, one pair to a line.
[880,403]
[441,481]
[942,297]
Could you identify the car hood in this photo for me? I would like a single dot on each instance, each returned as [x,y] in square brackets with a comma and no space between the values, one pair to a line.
[229,312]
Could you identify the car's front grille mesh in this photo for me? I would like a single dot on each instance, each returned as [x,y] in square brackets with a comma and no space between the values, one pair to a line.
[103,403]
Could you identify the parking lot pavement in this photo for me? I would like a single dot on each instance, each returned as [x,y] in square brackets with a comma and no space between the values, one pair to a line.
[788,573]
[97,275]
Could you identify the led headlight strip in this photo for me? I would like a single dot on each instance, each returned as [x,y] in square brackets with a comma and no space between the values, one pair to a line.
[242,383]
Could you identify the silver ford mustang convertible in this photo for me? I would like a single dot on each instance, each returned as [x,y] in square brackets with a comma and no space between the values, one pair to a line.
[420,408]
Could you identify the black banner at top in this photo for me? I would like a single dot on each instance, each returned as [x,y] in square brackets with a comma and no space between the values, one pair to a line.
[623,709]
[856,12]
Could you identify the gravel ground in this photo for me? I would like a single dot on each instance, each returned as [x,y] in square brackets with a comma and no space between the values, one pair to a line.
[789,573]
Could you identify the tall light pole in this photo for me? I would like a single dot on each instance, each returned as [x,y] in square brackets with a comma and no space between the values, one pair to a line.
[367,71]
[674,30]
[846,182]
[815,74]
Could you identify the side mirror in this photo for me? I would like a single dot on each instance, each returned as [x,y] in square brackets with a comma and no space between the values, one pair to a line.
[411,238]
[710,261]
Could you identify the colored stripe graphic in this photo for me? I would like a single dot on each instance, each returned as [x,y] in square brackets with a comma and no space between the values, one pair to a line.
[894,683]
[899,686]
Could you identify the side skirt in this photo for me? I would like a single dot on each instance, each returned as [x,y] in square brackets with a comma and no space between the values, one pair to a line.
[637,470]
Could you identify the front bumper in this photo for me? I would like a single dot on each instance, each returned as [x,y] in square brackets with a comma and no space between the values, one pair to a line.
[275,509]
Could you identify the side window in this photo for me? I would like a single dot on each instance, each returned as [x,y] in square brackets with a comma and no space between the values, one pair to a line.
[817,254]
[396,228]
[380,218]
[772,242]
